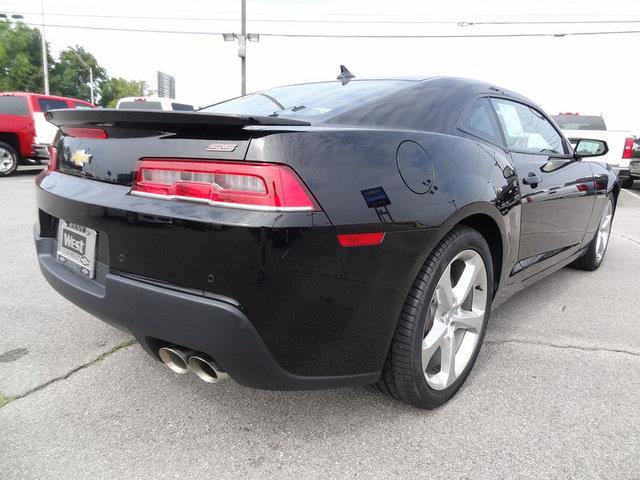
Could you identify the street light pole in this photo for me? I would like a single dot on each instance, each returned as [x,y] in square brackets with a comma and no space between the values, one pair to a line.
[90,72]
[45,60]
[242,48]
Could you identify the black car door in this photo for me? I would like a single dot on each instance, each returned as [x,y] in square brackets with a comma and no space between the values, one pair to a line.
[556,189]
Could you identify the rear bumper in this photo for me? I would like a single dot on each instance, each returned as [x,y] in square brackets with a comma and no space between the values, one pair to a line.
[271,296]
[160,315]
[622,172]
[40,152]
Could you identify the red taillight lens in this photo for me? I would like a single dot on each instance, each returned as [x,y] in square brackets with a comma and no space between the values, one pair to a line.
[83,132]
[53,158]
[628,148]
[256,186]
[360,239]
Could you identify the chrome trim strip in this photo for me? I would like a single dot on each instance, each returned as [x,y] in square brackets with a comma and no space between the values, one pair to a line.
[213,203]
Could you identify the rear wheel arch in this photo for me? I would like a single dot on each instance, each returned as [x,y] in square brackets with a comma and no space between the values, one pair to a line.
[489,222]
[488,228]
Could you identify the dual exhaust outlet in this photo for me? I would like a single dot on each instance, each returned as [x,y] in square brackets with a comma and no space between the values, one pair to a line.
[181,360]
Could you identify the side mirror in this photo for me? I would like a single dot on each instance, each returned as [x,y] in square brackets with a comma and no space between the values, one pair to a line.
[587,147]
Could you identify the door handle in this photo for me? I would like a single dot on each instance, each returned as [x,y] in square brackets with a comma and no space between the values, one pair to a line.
[531,179]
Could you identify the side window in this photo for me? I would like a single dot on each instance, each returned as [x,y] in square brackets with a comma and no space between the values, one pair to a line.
[525,129]
[480,122]
[81,106]
[47,104]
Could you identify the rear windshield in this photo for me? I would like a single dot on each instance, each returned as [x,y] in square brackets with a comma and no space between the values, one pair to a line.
[141,105]
[13,106]
[580,122]
[309,99]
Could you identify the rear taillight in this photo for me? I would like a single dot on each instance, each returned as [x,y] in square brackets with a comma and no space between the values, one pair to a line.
[628,148]
[53,158]
[83,132]
[256,186]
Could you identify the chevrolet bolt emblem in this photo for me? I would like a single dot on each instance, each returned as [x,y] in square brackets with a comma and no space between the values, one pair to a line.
[221,147]
[80,158]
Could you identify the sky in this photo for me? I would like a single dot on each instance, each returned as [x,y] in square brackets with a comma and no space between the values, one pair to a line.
[589,74]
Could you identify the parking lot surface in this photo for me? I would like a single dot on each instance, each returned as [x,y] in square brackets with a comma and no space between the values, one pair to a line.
[555,392]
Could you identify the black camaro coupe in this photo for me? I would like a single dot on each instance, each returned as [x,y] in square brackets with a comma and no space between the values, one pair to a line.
[326,234]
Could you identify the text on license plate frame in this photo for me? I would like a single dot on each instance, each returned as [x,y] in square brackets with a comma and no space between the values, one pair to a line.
[77,248]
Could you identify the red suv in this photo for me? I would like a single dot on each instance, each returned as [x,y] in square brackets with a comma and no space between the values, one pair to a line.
[24,132]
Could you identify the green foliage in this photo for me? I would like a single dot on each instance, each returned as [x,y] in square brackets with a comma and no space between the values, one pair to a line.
[21,69]
[20,58]
[113,89]
[70,78]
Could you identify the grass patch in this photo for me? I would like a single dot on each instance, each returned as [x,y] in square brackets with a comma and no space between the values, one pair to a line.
[4,400]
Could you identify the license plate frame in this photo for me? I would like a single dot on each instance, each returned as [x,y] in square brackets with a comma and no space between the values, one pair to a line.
[77,248]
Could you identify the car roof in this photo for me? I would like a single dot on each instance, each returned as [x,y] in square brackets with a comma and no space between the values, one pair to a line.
[41,95]
[429,104]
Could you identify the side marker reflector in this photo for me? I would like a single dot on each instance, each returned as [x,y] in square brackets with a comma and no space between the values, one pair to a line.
[360,239]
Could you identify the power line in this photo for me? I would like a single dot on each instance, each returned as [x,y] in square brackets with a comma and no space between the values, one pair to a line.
[338,35]
[391,22]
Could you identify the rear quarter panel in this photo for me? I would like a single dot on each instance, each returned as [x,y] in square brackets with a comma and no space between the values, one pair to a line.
[460,177]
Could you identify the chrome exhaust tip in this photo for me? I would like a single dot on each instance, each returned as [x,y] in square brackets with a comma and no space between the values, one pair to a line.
[206,368]
[175,358]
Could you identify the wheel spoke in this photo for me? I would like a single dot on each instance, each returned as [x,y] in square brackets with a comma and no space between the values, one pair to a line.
[444,290]
[468,320]
[432,341]
[466,280]
[448,360]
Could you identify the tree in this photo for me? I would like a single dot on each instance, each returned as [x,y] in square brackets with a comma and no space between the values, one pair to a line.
[70,78]
[20,58]
[112,89]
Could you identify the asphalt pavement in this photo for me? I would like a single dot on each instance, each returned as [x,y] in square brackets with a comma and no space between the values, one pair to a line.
[555,392]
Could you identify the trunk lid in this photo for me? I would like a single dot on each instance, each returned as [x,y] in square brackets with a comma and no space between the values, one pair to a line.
[135,134]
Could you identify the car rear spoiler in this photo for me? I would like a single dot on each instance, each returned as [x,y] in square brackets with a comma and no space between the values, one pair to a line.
[148,118]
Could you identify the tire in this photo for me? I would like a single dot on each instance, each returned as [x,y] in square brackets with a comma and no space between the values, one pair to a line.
[627,182]
[594,255]
[8,160]
[424,320]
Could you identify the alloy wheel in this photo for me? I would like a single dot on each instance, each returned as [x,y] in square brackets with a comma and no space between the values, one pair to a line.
[7,160]
[455,319]
[604,231]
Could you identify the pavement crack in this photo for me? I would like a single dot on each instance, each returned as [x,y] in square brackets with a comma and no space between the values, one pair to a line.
[564,346]
[627,238]
[6,400]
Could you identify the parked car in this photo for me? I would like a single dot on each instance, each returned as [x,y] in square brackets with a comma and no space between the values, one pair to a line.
[620,142]
[320,235]
[24,133]
[153,103]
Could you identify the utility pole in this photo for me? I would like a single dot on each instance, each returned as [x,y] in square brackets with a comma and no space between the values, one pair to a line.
[242,39]
[45,60]
[242,47]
